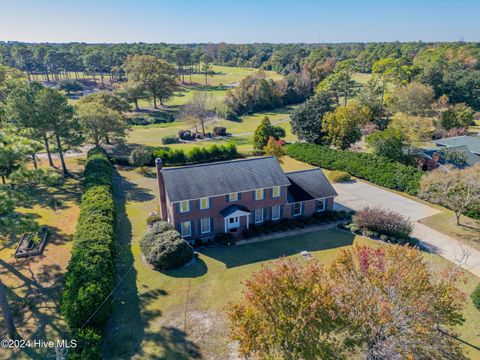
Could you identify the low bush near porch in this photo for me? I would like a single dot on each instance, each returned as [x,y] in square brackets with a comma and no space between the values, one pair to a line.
[383,222]
[163,247]
[323,217]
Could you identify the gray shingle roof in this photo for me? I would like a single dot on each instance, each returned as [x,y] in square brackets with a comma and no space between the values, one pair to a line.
[470,157]
[472,142]
[213,179]
[308,185]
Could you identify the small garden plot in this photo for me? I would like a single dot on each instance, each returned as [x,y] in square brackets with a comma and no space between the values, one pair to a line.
[32,244]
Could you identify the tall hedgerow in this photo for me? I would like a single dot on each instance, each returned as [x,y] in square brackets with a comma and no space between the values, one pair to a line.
[377,169]
[90,275]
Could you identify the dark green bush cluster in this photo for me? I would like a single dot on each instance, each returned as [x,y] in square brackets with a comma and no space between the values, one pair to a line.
[473,213]
[224,239]
[219,131]
[172,139]
[196,155]
[90,275]
[163,247]
[323,217]
[475,296]
[377,169]
[152,219]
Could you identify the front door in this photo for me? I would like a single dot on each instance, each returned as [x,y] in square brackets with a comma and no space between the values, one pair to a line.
[233,222]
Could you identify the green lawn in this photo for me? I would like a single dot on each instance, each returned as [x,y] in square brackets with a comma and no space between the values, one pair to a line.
[179,314]
[468,231]
[229,75]
[151,135]
[224,78]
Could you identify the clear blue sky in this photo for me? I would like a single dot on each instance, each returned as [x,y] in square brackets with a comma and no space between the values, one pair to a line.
[239,21]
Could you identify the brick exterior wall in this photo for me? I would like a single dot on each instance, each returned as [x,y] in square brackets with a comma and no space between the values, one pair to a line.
[171,211]
[219,203]
[308,208]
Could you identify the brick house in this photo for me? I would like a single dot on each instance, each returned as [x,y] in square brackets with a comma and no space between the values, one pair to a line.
[203,200]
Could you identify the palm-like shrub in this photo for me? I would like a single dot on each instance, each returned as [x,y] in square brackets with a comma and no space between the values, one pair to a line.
[337,176]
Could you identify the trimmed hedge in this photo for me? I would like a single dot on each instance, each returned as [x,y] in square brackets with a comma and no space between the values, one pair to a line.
[90,276]
[197,155]
[377,169]
[172,139]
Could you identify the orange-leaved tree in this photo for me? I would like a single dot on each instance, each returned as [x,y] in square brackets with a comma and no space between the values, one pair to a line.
[383,302]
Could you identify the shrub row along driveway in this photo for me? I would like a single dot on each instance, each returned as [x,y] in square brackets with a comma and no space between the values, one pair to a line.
[356,195]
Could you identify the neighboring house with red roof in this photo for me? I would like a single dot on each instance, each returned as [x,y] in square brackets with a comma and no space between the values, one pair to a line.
[207,199]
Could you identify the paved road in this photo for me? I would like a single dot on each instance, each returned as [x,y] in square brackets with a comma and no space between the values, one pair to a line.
[358,194]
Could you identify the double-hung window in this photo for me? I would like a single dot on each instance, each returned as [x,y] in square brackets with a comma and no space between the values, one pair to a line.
[276,212]
[186,228]
[184,206]
[258,215]
[205,225]
[204,203]
[297,209]
[233,197]
[319,205]
[259,194]
[276,191]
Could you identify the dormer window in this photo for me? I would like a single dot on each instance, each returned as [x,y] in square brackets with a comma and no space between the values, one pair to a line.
[259,194]
[276,191]
[204,203]
[184,206]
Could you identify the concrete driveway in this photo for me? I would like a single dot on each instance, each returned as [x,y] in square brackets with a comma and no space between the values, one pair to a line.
[356,195]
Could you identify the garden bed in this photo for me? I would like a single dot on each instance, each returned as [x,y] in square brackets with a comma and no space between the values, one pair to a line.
[379,236]
[32,244]
[284,227]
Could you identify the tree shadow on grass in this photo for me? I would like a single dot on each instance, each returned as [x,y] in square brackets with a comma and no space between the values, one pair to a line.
[173,343]
[233,256]
[125,334]
[131,191]
[194,269]
[35,303]
[125,330]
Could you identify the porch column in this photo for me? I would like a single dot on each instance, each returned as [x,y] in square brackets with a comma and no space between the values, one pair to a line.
[248,220]
[225,220]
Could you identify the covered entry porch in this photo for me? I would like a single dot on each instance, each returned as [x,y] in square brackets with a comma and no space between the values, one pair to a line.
[235,217]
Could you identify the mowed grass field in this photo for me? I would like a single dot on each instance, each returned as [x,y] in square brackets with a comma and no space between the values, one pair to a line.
[223,79]
[34,286]
[181,314]
[240,131]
